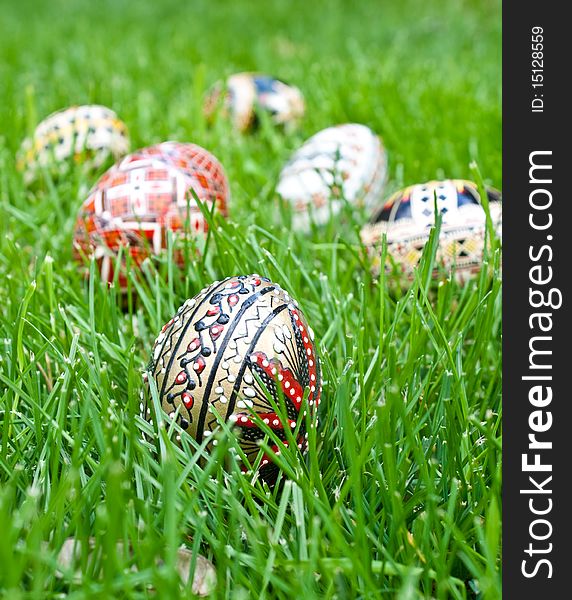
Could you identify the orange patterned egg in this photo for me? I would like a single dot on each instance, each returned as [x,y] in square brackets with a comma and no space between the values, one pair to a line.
[407,217]
[230,348]
[148,193]
[199,164]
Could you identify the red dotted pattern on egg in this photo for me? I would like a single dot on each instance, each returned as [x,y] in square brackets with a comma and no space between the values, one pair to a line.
[291,389]
[315,391]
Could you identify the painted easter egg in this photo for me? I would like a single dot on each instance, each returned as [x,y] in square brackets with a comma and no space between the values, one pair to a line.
[246,93]
[87,135]
[138,200]
[344,163]
[407,217]
[197,163]
[229,349]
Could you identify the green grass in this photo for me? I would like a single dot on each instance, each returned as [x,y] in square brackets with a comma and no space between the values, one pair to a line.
[400,495]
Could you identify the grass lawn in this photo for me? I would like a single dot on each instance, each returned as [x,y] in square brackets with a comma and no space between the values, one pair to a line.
[400,495]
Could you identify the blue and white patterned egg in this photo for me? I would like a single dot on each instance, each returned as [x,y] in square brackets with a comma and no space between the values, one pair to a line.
[247,93]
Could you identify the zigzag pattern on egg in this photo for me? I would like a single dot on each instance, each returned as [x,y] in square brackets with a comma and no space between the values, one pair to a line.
[231,348]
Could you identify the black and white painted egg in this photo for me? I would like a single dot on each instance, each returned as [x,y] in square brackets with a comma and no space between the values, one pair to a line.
[341,164]
[406,218]
[228,349]
[88,135]
[246,93]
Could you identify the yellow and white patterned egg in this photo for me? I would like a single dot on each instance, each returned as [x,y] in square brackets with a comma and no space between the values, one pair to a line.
[88,135]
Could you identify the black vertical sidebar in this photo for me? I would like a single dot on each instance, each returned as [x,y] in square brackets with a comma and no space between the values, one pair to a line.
[537,335]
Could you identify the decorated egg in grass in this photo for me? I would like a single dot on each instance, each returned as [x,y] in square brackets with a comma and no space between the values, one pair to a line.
[229,349]
[246,93]
[197,163]
[407,217]
[87,135]
[139,200]
[339,165]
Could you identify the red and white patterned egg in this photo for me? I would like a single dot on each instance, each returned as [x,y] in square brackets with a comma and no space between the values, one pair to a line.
[228,349]
[198,164]
[406,218]
[344,163]
[87,135]
[148,193]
